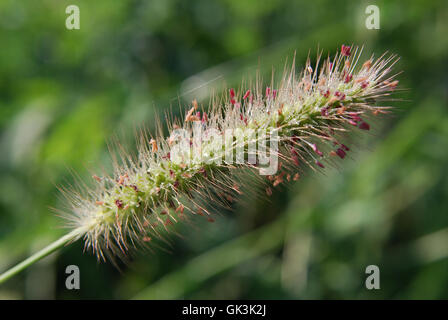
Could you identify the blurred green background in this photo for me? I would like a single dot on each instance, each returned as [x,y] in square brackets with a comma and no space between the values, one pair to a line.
[64,94]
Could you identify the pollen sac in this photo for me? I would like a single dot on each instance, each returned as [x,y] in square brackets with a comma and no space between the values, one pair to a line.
[119,203]
[153,145]
[367,65]
[268,92]
[204,117]
[345,50]
[315,149]
[348,78]
[320,164]
[354,116]
[295,158]
[341,153]
[154,190]
[339,95]
[364,126]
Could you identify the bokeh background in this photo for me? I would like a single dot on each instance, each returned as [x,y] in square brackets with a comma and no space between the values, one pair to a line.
[64,94]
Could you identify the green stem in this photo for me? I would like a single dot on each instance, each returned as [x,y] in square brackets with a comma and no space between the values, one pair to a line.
[40,254]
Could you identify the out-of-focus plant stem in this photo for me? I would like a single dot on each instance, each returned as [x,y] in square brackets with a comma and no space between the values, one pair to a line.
[40,255]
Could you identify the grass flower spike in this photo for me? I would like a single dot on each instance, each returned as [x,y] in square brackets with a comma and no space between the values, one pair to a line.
[275,132]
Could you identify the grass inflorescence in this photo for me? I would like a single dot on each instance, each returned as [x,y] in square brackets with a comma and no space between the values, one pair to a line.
[304,122]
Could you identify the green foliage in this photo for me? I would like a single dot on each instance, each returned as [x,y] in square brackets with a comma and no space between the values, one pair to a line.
[64,94]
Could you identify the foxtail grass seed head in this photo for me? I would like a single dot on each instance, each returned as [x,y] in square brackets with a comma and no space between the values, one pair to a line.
[273,131]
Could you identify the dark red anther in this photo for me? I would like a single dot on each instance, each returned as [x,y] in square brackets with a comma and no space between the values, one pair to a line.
[246,94]
[293,151]
[316,150]
[320,164]
[232,93]
[348,78]
[168,156]
[133,186]
[354,116]
[339,95]
[364,84]
[232,101]
[295,158]
[203,171]
[176,184]
[324,112]
[327,94]
[274,93]
[345,50]
[204,117]
[119,203]
[364,126]
[340,153]
[345,147]
[172,175]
